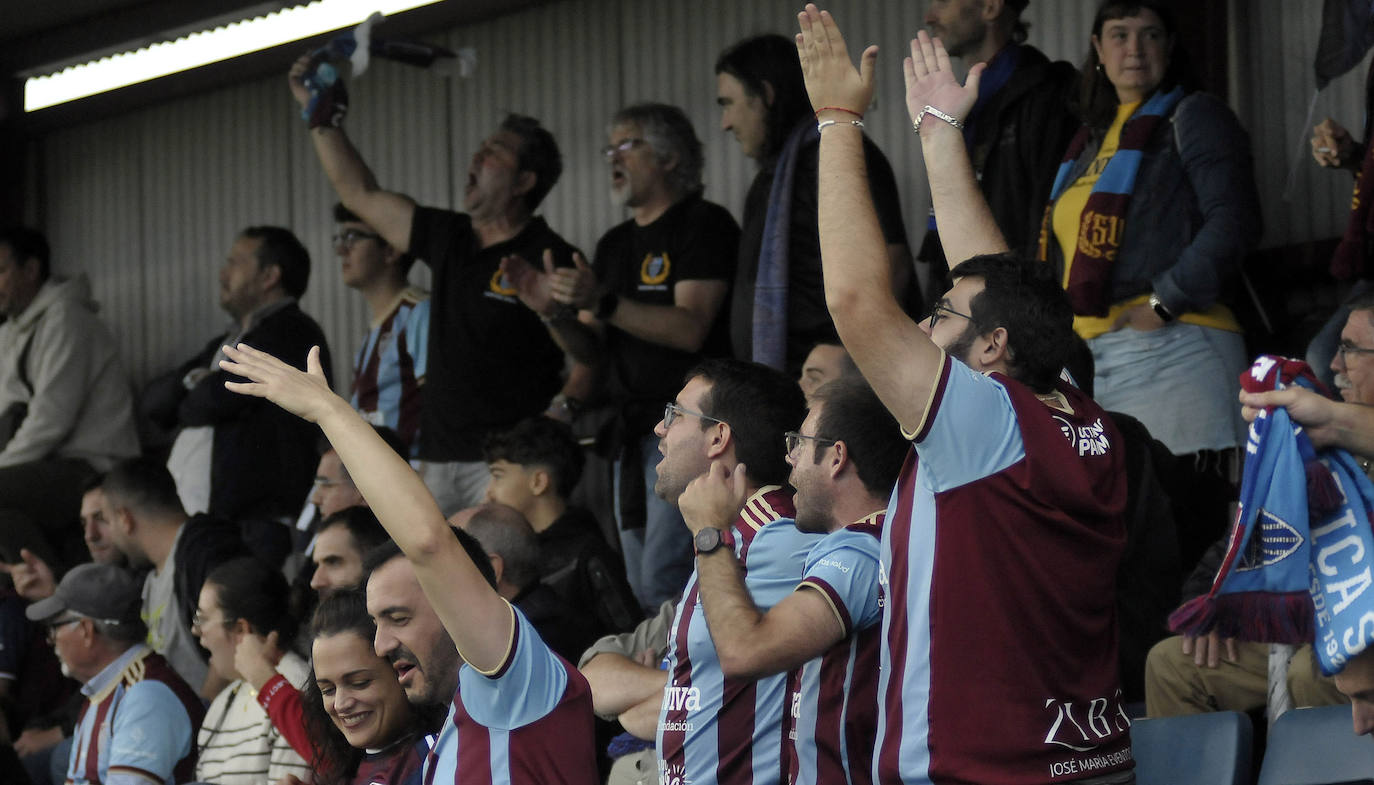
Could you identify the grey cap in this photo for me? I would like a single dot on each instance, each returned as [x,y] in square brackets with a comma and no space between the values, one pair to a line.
[100,591]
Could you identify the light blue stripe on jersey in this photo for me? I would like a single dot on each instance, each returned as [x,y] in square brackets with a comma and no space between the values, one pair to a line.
[773,568]
[528,689]
[150,732]
[847,562]
[973,435]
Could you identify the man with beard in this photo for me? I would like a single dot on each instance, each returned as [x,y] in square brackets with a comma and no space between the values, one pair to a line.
[1000,554]
[140,719]
[518,707]
[648,309]
[150,527]
[709,726]
[845,459]
[490,363]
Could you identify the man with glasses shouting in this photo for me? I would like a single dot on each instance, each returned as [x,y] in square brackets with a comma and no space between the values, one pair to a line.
[711,727]
[390,365]
[140,719]
[845,459]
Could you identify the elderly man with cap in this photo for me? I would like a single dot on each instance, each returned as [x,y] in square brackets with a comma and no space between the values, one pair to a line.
[140,718]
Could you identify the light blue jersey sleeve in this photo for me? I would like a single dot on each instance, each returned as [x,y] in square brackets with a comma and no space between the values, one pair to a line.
[151,733]
[972,430]
[528,686]
[843,567]
[417,337]
[774,562]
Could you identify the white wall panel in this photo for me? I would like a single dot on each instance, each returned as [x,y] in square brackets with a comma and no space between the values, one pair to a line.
[148,203]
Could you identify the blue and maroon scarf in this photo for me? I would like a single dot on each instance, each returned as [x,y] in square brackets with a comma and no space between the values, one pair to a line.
[1298,565]
[1103,222]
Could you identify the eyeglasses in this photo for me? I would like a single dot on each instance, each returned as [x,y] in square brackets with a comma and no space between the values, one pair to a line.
[326,483]
[940,311]
[344,240]
[53,626]
[201,620]
[672,411]
[623,147]
[794,440]
[1346,347]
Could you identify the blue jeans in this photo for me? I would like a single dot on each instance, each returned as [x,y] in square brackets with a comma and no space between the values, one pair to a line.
[659,554]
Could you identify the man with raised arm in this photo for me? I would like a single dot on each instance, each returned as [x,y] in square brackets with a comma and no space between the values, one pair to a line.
[475,381]
[845,460]
[519,709]
[1003,536]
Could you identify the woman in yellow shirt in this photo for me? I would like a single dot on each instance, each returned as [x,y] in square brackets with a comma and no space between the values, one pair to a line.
[1152,212]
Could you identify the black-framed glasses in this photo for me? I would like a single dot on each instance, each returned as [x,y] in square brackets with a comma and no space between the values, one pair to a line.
[621,147]
[201,620]
[1346,347]
[794,440]
[672,411]
[52,627]
[940,311]
[344,240]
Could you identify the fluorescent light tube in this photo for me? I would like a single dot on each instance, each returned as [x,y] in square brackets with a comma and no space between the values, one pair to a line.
[203,48]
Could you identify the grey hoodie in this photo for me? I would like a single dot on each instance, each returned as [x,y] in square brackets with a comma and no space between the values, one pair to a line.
[82,404]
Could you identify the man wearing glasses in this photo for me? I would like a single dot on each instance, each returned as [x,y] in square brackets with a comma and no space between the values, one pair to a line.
[139,723]
[728,420]
[390,365]
[845,460]
[999,654]
[645,312]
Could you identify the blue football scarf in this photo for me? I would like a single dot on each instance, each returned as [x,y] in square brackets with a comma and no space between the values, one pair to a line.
[1298,564]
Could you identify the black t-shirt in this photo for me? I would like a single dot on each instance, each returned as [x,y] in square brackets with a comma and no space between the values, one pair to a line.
[693,240]
[808,320]
[491,361]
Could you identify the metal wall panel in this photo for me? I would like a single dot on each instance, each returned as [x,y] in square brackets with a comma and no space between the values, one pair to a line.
[148,203]
[1275,43]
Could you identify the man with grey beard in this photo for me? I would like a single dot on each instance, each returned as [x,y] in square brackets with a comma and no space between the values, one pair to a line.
[646,310]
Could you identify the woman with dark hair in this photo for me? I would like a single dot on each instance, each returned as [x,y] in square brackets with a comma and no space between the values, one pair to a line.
[238,744]
[356,714]
[1153,210]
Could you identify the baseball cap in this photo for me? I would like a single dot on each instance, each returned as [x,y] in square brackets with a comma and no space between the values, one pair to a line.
[100,591]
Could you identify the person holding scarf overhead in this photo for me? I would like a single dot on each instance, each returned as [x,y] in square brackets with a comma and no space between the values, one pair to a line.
[1152,212]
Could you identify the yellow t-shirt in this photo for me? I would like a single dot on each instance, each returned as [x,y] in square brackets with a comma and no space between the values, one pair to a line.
[1065,221]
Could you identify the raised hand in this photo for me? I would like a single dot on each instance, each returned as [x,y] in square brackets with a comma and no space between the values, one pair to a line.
[577,285]
[33,578]
[256,658]
[714,498]
[532,285]
[930,82]
[304,394]
[295,79]
[831,78]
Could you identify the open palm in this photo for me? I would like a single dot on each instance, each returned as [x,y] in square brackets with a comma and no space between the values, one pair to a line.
[930,80]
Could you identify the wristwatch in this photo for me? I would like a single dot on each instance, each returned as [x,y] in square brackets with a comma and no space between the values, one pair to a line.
[1159,309]
[711,539]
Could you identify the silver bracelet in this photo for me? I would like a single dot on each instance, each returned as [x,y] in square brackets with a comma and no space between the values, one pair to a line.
[936,112]
[824,124]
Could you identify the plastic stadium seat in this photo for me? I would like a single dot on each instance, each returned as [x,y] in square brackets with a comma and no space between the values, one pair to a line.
[1199,749]
[1316,747]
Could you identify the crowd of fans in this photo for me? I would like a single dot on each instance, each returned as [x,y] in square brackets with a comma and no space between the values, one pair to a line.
[853,545]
